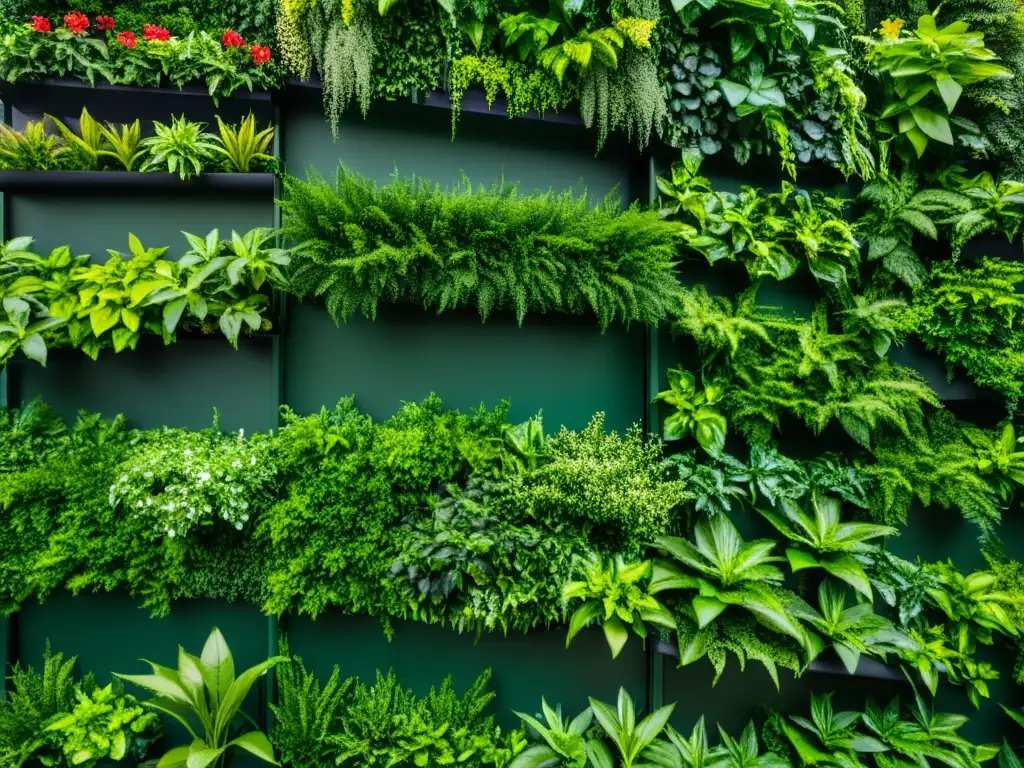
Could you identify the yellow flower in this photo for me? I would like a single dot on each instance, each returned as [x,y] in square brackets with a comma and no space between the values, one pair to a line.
[890,29]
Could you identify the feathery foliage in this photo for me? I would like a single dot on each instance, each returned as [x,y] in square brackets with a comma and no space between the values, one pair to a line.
[492,248]
[771,366]
[971,315]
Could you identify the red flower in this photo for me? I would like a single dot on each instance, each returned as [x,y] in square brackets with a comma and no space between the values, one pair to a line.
[105,22]
[153,32]
[127,39]
[77,22]
[40,24]
[260,54]
[232,39]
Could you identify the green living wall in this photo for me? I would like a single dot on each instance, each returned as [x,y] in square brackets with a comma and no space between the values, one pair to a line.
[687,399]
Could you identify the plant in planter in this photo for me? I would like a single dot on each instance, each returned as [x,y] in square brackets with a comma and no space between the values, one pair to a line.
[206,697]
[620,596]
[924,72]
[37,50]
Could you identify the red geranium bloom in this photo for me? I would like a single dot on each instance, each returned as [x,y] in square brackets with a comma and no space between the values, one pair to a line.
[260,54]
[153,32]
[105,22]
[232,39]
[40,24]
[127,39]
[77,22]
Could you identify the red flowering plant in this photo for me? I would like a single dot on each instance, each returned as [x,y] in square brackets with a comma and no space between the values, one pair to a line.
[260,54]
[232,39]
[40,48]
[77,22]
[151,57]
[155,33]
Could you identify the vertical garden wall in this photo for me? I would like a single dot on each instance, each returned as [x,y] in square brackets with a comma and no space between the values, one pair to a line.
[660,362]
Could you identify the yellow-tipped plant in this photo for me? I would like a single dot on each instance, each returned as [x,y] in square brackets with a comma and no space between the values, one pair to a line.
[240,147]
[124,146]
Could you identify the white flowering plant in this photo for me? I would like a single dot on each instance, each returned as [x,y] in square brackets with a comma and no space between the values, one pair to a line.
[187,480]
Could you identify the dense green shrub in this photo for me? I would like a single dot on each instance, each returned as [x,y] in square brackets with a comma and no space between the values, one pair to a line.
[410,242]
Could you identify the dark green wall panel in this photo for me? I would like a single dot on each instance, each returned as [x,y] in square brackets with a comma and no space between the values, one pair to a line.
[564,366]
[94,224]
[417,140]
[177,385]
[525,667]
[110,633]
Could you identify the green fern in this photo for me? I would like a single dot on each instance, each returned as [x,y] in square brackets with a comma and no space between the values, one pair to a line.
[306,713]
[773,365]
[32,701]
[492,248]
[737,634]
[971,316]
[937,467]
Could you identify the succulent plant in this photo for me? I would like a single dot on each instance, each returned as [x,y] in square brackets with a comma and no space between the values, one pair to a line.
[698,114]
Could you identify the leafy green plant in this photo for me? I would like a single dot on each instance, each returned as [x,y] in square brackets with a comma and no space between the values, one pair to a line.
[856,630]
[732,572]
[29,55]
[543,253]
[928,736]
[307,714]
[834,542]
[66,300]
[386,724]
[30,150]
[968,314]
[620,725]
[694,411]
[33,700]
[83,148]
[771,365]
[835,732]
[105,724]
[205,692]
[769,233]
[565,740]
[242,149]
[125,146]
[187,481]
[927,70]
[181,147]
[615,595]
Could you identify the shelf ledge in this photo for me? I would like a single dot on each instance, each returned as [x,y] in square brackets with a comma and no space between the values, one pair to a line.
[56,182]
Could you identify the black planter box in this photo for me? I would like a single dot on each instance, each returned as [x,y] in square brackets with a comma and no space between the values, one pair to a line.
[55,182]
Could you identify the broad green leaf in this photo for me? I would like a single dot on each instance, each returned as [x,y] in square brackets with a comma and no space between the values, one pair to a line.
[707,609]
[581,617]
[174,758]
[537,756]
[218,666]
[934,125]
[34,348]
[799,560]
[255,743]
[616,633]
[239,689]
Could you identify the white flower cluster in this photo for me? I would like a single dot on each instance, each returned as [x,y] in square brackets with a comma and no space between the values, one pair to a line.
[184,480]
